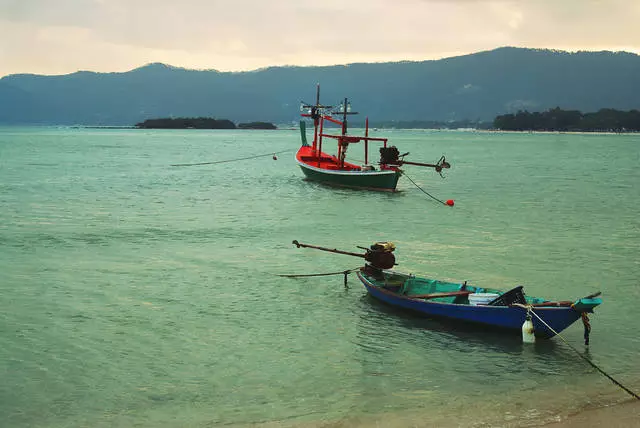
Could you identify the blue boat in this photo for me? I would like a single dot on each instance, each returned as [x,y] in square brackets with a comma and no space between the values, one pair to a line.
[485,306]
[510,310]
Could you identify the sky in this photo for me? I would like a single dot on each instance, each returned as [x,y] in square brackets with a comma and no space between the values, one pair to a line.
[63,36]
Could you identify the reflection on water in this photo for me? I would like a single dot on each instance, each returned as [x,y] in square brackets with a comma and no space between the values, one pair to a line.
[479,352]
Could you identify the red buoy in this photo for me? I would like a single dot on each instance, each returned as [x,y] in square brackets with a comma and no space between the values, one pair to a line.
[275,157]
[449,202]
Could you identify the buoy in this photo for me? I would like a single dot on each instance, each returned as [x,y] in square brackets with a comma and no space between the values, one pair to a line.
[449,202]
[527,330]
[275,157]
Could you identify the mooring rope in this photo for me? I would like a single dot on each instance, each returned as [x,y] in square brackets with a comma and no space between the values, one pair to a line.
[530,308]
[423,191]
[233,160]
[342,272]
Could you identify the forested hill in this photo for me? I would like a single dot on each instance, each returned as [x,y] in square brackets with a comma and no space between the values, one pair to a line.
[476,87]
[556,119]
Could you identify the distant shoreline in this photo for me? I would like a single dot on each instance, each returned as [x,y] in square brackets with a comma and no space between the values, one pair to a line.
[200,123]
[557,119]
[103,127]
[296,129]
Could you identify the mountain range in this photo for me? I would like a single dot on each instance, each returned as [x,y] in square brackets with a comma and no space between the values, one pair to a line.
[474,87]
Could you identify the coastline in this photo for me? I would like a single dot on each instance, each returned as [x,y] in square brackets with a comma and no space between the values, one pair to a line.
[622,415]
[610,414]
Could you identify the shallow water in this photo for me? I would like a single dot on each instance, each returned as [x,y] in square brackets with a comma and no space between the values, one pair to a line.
[135,293]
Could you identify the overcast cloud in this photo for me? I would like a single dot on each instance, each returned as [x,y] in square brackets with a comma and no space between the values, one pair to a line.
[63,36]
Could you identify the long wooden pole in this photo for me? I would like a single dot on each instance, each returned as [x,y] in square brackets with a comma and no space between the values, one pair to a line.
[431,165]
[420,164]
[297,244]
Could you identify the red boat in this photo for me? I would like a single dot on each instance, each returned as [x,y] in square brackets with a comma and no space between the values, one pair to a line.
[334,169]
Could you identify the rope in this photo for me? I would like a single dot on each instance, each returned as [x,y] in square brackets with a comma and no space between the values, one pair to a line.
[587,327]
[232,160]
[423,191]
[344,272]
[530,308]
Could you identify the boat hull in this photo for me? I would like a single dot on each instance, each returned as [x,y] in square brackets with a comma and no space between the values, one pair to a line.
[385,180]
[508,318]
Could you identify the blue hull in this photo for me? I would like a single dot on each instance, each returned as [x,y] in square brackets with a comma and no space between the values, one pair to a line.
[500,317]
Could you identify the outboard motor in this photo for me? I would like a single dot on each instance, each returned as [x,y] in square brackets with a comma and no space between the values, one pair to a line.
[380,255]
[389,155]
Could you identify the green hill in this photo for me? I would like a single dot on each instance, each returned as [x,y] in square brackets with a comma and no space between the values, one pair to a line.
[473,87]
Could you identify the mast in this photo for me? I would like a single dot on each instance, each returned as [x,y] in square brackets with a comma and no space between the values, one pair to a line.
[315,112]
[342,140]
[315,115]
[344,118]
[342,149]
[320,143]
[366,141]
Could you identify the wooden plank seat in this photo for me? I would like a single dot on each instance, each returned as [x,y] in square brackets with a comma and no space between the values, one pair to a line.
[437,295]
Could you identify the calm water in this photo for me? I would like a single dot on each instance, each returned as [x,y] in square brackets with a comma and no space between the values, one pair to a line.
[135,293]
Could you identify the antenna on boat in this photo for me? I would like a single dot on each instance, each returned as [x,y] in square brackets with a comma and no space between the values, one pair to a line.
[314,110]
[344,109]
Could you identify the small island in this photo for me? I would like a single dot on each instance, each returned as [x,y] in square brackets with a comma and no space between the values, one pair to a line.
[257,125]
[200,123]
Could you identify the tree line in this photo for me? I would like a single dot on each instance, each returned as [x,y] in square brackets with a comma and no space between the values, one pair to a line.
[200,123]
[556,119]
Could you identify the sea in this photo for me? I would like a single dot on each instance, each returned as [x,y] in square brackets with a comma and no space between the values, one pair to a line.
[138,293]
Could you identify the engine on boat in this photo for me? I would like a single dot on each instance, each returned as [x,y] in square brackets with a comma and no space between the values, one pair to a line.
[380,255]
[389,155]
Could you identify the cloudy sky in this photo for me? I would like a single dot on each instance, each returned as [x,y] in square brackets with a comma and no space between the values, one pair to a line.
[63,36]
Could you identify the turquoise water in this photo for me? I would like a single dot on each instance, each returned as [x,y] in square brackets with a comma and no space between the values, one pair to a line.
[135,293]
